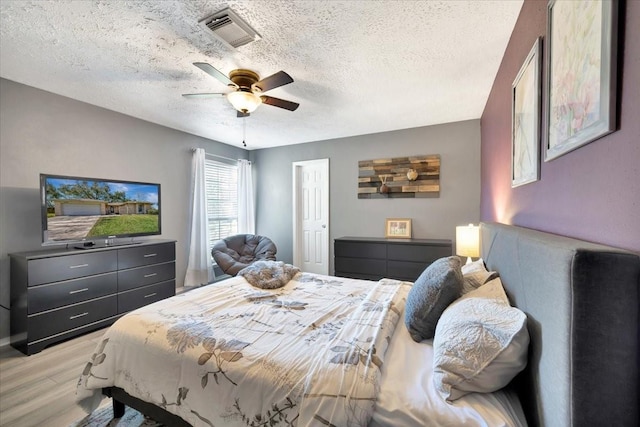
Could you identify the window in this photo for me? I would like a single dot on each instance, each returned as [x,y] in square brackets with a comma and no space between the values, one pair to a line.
[221,184]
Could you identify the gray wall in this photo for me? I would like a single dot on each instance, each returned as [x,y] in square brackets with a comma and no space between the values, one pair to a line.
[458,144]
[41,132]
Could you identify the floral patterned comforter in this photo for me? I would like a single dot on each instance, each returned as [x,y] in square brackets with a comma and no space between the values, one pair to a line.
[230,354]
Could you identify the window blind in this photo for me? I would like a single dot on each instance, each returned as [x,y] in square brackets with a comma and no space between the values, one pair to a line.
[221,184]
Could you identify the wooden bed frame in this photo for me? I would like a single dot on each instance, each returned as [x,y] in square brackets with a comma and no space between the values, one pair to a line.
[582,304]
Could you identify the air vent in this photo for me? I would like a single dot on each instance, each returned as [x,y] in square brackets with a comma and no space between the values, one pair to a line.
[229,28]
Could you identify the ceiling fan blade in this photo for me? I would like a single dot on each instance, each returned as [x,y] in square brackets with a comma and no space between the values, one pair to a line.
[273,81]
[214,73]
[202,95]
[241,114]
[277,102]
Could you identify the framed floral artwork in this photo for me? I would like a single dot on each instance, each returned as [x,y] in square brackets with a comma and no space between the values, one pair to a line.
[581,57]
[525,119]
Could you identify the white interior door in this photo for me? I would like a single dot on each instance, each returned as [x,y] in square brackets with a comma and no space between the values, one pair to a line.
[311,215]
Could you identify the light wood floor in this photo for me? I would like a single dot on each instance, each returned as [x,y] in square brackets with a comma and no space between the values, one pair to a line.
[39,390]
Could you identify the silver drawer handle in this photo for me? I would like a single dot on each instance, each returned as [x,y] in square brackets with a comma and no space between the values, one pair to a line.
[150,255]
[151,295]
[151,275]
[78,315]
[78,291]
[79,266]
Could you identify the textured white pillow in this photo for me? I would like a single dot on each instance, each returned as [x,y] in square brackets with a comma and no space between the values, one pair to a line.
[480,343]
[475,275]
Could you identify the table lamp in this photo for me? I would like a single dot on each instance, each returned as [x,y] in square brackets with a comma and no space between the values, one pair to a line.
[468,241]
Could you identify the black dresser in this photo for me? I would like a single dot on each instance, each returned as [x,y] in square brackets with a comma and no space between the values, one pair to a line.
[374,258]
[60,293]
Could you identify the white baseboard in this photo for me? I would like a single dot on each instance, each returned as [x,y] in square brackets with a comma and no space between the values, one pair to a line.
[5,342]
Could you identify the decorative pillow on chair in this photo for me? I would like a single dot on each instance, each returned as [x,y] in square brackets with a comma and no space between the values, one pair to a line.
[475,275]
[481,343]
[269,274]
[437,287]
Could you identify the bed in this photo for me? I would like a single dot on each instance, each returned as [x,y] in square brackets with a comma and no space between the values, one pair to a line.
[581,305]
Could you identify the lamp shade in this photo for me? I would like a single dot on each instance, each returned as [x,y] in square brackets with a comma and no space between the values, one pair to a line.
[468,240]
[244,101]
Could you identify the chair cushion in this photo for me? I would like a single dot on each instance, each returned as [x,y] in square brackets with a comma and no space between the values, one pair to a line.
[234,253]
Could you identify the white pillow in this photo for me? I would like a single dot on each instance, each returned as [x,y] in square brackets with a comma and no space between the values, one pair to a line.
[475,275]
[480,343]
[493,289]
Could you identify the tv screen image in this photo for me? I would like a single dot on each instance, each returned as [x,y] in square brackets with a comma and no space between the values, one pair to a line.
[80,209]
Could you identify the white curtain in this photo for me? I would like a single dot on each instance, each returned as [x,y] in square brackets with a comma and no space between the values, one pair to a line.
[199,268]
[246,216]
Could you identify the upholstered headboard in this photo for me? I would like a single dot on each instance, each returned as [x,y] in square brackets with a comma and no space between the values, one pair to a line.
[581,300]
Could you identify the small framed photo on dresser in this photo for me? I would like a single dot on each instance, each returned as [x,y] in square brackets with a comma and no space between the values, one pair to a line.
[398,228]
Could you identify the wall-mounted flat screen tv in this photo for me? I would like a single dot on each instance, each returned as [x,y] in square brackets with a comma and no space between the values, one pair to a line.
[76,209]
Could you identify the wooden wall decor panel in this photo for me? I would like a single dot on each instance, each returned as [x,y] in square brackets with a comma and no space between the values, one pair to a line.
[387,178]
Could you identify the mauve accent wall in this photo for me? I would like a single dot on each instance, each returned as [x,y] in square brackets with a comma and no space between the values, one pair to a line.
[592,193]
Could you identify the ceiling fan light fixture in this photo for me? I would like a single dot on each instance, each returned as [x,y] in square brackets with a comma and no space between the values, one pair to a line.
[244,101]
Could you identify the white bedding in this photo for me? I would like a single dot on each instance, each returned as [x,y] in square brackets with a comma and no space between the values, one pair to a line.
[185,355]
[230,354]
[408,397]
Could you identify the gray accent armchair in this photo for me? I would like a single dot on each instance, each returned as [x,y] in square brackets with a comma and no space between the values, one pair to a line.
[234,253]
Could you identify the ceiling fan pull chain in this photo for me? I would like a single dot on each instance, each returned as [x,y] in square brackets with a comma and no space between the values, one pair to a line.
[244,131]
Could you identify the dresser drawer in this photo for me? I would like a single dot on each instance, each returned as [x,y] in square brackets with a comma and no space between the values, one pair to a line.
[361,276]
[145,255]
[54,269]
[404,270]
[55,321]
[53,295]
[360,250]
[417,253]
[371,267]
[142,276]
[140,297]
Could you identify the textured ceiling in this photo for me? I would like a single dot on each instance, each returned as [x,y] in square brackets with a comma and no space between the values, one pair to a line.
[359,67]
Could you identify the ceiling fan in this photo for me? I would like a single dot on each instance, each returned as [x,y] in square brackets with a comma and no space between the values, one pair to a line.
[249,89]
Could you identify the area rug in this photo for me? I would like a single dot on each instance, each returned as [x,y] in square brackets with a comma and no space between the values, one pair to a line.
[103,417]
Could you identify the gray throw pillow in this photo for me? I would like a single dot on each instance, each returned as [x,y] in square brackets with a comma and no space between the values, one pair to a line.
[438,286]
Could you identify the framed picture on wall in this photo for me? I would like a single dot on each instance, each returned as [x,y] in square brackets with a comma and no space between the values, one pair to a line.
[525,120]
[581,58]
[398,228]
